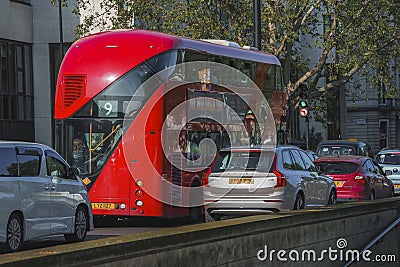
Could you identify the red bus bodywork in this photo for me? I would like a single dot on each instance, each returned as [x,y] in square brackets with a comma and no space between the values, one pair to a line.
[94,63]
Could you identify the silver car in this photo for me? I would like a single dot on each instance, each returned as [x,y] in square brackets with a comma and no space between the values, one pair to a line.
[40,195]
[257,180]
[389,160]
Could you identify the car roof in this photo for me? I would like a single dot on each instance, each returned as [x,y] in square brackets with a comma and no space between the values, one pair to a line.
[341,142]
[389,151]
[353,159]
[257,148]
[5,143]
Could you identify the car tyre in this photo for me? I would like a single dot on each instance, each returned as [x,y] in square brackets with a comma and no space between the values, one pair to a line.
[392,192]
[299,202]
[372,195]
[14,233]
[80,226]
[332,198]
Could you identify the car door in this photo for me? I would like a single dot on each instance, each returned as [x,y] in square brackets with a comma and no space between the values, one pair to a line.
[64,193]
[305,176]
[384,186]
[35,191]
[320,186]
[372,179]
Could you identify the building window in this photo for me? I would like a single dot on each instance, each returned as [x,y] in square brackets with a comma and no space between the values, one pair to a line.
[383,133]
[16,91]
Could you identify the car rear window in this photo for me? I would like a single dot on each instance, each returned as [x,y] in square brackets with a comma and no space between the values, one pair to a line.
[243,161]
[337,167]
[336,150]
[388,158]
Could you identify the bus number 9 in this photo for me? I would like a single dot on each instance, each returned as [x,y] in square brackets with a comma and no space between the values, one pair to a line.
[108,107]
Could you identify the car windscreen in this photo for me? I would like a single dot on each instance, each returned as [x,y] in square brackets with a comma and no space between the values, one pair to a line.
[336,150]
[329,167]
[243,161]
[388,158]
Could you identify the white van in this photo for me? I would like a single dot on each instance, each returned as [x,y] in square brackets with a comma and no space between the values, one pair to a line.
[40,195]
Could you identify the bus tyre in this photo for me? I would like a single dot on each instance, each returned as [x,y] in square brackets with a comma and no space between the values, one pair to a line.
[14,233]
[80,226]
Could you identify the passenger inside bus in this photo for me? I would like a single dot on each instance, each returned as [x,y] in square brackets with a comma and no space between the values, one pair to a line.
[79,155]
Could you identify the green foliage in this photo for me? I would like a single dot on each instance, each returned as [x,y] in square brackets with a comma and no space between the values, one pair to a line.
[348,37]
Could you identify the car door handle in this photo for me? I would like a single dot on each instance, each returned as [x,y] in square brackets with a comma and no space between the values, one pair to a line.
[46,187]
[53,187]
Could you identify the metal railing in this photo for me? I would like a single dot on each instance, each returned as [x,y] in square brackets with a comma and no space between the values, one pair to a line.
[374,241]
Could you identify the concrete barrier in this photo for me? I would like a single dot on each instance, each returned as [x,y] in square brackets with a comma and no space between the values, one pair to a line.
[323,236]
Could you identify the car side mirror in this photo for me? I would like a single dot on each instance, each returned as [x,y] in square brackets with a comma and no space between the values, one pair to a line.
[388,172]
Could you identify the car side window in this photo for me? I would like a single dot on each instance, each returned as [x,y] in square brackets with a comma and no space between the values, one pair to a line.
[298,162]
[377,169]
[287,160]
[8,162]
[368,167]
[29,160]
[55,167]
[309,165]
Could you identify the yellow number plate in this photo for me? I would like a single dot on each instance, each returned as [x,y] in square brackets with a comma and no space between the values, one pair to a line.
[397,186]
[338,183]
[241,181]
[103,206]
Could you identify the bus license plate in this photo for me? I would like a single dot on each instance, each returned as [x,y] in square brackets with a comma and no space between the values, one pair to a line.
[103,206]
[241,181]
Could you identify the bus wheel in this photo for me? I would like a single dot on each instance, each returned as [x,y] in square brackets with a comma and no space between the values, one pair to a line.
[195,212]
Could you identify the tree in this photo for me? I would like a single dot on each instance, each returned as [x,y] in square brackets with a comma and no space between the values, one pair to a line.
[351,37]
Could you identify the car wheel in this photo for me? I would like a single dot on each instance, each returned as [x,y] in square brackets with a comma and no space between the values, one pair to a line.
[208,217]
[332,198]
[14,233]
[392,192]
[372,195]
[299,202]
[80,226]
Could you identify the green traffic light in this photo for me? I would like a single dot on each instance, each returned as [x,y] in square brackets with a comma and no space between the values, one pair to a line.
[303,104]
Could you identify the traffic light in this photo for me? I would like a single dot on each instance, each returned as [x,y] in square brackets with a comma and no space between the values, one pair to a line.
[303,103]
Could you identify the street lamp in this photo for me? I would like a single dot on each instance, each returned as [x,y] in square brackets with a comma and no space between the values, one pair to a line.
[61,31]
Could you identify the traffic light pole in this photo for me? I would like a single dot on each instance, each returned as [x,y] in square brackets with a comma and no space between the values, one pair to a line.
[308,133]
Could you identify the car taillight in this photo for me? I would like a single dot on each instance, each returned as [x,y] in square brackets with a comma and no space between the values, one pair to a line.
[280,178]
[359,179]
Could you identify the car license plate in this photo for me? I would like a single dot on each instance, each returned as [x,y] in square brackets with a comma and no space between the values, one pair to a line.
[397,186]
[103,206]
[241,181]
[338,183]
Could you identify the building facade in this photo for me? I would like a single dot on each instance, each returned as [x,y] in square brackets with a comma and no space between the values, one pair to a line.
[29,62]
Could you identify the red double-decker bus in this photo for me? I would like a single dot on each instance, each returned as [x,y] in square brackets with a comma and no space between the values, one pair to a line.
[123,115]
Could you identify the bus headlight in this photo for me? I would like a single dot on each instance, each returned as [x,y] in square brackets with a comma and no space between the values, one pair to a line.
[122,206]
[139,183]
[139,203]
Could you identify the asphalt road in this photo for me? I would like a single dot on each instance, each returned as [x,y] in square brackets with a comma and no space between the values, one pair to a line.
[104,229]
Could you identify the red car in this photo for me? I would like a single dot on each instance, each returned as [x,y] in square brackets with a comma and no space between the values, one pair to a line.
[356,177]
